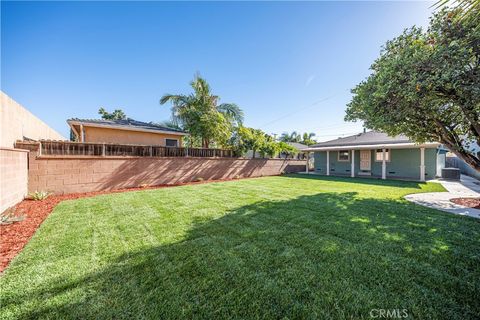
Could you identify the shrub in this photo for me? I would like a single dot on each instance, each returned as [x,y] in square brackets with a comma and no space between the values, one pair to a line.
[39,195]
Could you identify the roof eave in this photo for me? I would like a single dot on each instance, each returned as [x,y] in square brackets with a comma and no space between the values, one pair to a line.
[406,145]
[112,126]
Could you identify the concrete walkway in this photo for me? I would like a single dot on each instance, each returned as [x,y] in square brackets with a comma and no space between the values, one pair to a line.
[467,187]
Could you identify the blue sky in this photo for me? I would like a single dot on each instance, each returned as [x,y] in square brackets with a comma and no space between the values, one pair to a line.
[288,65]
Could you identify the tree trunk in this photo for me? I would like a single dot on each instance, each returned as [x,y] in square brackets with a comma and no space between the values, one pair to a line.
[452,141]
[470,159]
[253,155]
[205,143]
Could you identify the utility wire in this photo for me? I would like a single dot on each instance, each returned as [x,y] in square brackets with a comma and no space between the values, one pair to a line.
[298,110]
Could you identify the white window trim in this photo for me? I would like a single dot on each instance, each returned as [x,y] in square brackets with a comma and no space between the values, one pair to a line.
[343,160]
[389,151]
[178,143]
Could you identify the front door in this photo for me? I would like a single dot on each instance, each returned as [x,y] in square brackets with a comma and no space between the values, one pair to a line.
[365,160]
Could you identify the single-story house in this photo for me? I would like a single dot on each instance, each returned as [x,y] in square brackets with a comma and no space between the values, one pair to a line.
[124,132]
[376,154]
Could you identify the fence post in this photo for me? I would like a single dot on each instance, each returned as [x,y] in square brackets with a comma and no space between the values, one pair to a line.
[40,148]
[151,151]
[103,150]
[186,152]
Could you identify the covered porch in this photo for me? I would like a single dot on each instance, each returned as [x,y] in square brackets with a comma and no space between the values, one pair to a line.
[405,161]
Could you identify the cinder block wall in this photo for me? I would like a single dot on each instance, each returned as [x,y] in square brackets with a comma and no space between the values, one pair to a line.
[13,176]
[73,175]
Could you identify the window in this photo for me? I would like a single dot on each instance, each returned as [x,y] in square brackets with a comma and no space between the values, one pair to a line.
[343,155]
[379,155]
[171,142]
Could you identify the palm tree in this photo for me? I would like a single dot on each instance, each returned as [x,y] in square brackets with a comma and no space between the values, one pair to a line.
[469,7]
[117,114]
[200,114]
[308,138]
[290,137]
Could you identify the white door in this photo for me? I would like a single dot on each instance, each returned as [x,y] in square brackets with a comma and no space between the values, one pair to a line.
[365,160]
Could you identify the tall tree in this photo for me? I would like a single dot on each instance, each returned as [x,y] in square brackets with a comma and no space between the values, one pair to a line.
[117,114]
[426,85]
[306,138]
[200,114]
[291,137]
[246,139]
[250,139]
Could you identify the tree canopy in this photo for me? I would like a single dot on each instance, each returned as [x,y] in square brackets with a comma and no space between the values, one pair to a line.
[306,138]
[246,139]
[426,85]
[200,114]
[117,114]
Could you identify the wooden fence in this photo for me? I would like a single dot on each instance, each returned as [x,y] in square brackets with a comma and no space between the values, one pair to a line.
[68,148]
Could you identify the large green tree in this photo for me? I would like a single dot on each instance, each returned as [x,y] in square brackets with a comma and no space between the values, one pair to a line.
[246,139]
[426,85]
[255,140]
[200,114]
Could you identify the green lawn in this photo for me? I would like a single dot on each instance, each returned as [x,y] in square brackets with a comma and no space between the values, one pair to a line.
[277,247]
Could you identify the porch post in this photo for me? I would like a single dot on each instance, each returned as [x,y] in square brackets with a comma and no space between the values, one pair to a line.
[422,164]
[353,164]
[384,165]
[308,159]
[82,134]
[328,163]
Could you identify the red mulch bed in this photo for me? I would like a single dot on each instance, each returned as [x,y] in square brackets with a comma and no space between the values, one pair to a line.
[467,202]
[14,236]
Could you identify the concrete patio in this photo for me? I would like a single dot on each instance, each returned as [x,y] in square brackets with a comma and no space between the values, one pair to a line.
[467,187]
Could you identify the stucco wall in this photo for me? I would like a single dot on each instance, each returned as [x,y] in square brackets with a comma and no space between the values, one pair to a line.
[405,163]
[17,122]
[94,134]
[13,176]
[72,175]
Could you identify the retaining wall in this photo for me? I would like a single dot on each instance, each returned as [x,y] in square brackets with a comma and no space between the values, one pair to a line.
[63,175]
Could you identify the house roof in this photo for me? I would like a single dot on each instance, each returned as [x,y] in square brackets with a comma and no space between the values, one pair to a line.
[127,124]
[299,146]
[364,138]
[367,140]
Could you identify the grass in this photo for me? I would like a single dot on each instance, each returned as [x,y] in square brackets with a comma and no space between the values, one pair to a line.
[278,247]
